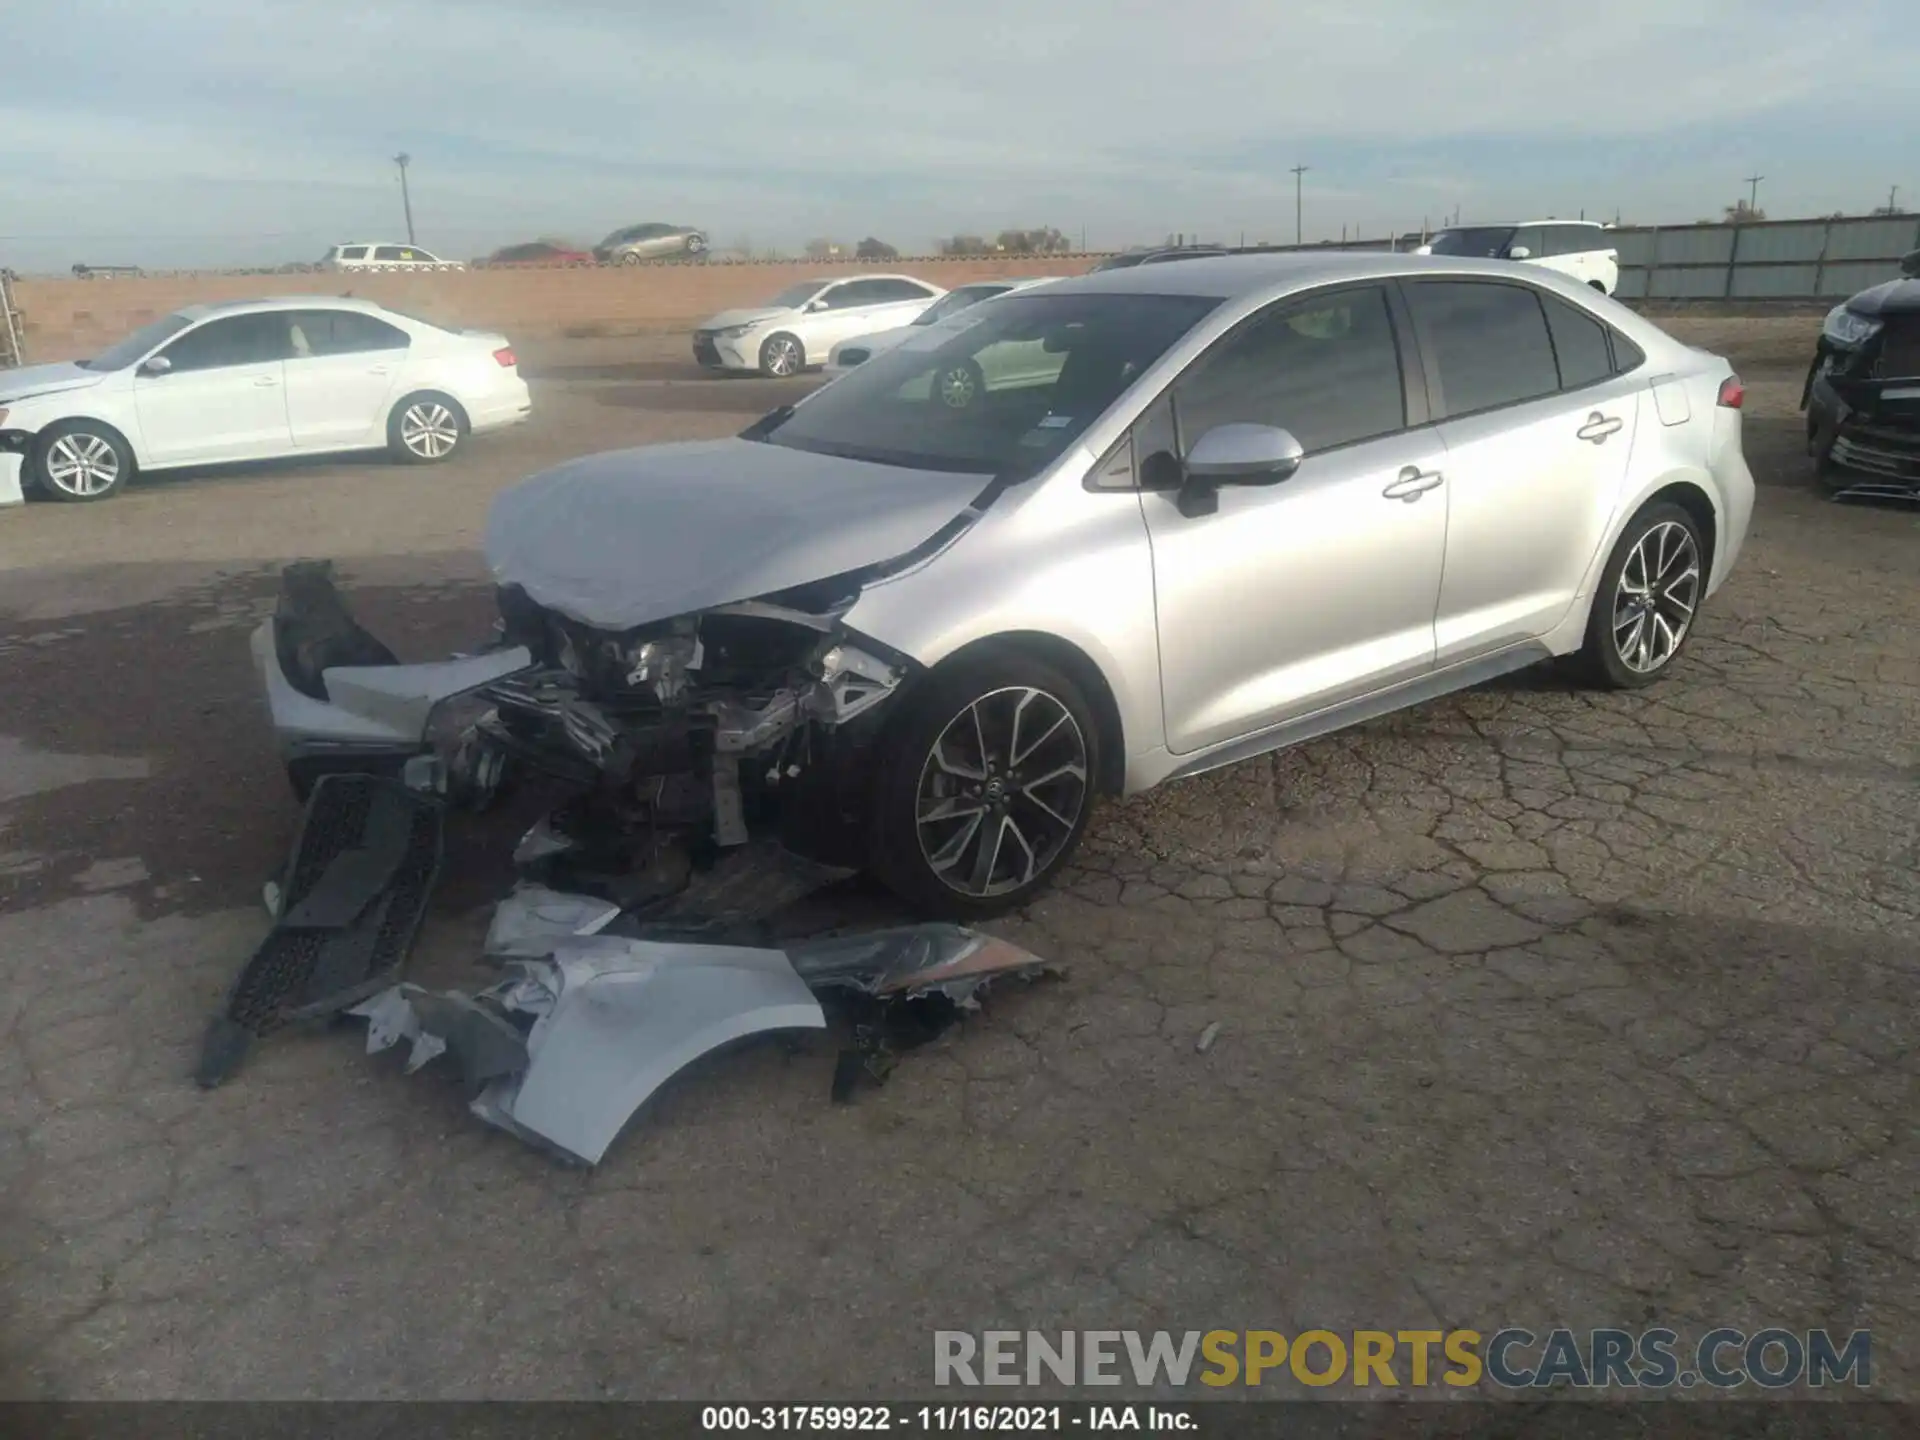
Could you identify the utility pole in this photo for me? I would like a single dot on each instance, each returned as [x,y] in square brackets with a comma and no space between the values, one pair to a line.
[403,160]
[1299,230]
[1893,196]
[1753,192]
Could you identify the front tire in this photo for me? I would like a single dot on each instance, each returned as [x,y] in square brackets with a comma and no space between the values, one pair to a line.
[80,460]
[630,258]
[1648,597]
[782,356]
[985,785]
[1598,286]
[426,428]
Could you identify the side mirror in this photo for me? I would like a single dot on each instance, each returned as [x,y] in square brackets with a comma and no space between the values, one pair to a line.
[814,307]
[155,365]
[1519,252]
[1235,455]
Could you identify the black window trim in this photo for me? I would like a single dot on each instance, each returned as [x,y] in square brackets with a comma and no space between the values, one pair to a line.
[1436,399]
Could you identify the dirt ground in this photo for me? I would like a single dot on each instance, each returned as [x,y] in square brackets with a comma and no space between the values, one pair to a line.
[1537,1007]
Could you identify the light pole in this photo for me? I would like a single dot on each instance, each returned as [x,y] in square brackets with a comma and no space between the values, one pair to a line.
[406,200]
[1298,231]
[1753,193]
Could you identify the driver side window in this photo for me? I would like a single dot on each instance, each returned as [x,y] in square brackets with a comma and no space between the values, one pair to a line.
[1326,368]
[235,340]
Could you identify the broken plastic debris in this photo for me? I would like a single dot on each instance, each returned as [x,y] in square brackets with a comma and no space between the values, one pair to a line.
[1207,1037]
[529,921]
[914,960]
[612,1021]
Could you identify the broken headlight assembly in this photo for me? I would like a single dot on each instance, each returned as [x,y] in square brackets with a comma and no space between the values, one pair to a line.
[1845,330]
[460,764]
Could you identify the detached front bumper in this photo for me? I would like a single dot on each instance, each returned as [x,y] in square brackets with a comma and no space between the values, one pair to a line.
[372,715]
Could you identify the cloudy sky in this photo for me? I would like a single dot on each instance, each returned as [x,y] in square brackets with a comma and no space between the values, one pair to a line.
[165,132]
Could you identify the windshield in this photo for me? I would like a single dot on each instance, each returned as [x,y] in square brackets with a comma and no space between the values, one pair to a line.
[1001,390]
[794,296]
[1485,242]
[954,301]
[138,345]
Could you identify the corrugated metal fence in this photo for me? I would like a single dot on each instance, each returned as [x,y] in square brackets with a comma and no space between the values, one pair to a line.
[1767,260]
[1770,260]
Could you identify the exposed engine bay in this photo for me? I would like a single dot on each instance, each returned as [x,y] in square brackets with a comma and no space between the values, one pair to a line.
[677,740]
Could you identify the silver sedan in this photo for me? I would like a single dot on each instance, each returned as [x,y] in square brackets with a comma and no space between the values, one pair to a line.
[1214,509]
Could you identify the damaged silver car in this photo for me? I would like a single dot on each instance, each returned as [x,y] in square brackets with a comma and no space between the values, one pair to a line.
[1207,510]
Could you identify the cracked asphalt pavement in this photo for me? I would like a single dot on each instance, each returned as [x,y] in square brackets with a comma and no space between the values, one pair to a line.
[1535,1007]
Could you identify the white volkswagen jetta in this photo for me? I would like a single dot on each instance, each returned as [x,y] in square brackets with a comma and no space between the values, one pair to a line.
[252,380]
[801,325]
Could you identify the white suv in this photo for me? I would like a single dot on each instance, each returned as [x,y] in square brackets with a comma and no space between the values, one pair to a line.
[385,257]
[1581,248]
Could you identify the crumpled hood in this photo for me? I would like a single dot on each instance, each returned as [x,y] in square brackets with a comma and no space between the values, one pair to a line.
[728,318]
[634,536]
[32,380]
[1896,297]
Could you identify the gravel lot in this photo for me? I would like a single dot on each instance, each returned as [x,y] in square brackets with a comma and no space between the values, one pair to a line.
[1537,1007]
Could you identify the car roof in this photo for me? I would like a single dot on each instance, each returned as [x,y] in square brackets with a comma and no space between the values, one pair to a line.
[1516,224]
[208,309]
[1225,277]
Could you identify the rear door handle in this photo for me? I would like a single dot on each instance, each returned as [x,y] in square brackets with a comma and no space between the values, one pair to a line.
[378,370]
[265,380]
[1411,483]
[1598,427]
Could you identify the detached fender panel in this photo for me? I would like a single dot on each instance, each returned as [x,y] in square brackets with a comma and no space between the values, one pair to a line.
[628,1016]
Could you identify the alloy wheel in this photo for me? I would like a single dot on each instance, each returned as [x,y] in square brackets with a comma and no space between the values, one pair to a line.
[783,357]
[429,429]
[1653,603]
[957,388]
[1001,792]
[82,465]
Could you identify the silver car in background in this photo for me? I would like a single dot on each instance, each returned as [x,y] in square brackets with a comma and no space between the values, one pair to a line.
[636,244]
[1242,503]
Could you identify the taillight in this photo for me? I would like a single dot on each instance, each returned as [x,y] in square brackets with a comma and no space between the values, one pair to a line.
[1732,393]
[505,356]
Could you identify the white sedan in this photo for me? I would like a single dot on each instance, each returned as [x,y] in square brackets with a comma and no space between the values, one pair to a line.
[253,380]
[801,325]
[849,353]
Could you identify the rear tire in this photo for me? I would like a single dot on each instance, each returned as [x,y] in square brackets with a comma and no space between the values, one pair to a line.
[426,428]
[1598,286]
[984,785]
[77,461]
[1647,601]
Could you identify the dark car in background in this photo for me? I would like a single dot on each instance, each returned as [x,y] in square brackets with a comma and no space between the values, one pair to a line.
[1159,255]
[1862,394]
[651,241]
[539,252]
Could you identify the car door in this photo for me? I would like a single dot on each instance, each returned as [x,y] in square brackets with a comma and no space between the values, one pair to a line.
[1295,596]
[848,309]
[222,396]
[343,369]
[1538,430]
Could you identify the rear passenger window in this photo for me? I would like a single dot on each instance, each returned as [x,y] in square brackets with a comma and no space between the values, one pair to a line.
[1486,342]
[1327,369]
[318,333]
[1579,344]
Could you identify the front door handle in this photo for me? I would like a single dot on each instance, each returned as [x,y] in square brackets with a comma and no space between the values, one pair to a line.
[1411,483]
[265,380]
[378,370]
[1598,427]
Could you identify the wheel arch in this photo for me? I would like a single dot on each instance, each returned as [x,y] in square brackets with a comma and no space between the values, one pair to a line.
[127,441]
[1078,666]
[1693,498]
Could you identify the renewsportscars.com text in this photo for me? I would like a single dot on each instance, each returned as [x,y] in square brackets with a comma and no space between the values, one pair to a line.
[1652,1359]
